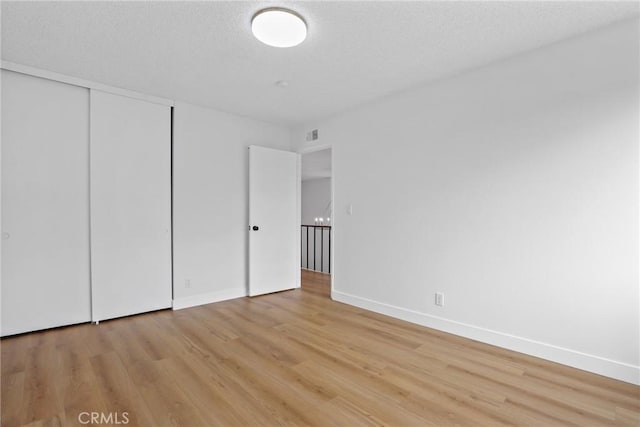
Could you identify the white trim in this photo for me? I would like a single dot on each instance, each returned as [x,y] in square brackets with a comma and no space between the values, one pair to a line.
[588,362]
[314,148]
[208,298]
[299,215]
[334,210]
[50,75]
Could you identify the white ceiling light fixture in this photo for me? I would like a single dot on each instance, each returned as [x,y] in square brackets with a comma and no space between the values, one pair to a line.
[279,27]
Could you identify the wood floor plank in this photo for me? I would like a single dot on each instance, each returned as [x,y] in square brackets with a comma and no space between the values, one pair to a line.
[11,393]
[76,383]
[166,402]
[368,401]
[13,357]
[292,358]
[118,393]
[207,396]
[298,385]
[341,412]
[40,399]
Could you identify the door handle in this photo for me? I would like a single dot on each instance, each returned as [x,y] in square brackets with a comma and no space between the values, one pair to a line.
[255,228]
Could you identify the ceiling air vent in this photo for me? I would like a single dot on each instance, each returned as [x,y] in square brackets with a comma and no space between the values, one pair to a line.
[312,135]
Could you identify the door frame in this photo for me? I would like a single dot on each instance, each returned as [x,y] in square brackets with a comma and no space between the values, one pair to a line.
[313,149]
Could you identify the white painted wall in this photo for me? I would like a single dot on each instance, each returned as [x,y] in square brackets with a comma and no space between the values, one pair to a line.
[316,199]
[210,200]
[512,189]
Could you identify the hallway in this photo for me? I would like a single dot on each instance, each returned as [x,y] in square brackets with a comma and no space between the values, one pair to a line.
[316,283]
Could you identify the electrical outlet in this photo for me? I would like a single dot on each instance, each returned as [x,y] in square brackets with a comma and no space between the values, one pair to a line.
[187,283]
[439,299]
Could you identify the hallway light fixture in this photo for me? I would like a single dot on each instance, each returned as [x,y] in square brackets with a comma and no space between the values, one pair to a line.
[279,27]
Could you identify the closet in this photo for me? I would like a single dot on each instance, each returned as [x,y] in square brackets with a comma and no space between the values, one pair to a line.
[86,204]
[45,204]
[130,206]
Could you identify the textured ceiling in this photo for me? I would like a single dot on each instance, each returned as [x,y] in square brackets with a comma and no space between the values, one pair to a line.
[204,53]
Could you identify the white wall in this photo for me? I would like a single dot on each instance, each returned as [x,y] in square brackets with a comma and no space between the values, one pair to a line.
[316,199]
[512,189]
[210,200]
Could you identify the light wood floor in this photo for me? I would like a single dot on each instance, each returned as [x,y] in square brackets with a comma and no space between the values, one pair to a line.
[294,358]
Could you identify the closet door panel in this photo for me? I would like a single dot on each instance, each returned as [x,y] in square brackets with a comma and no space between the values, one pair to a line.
[130,206]
[45,204]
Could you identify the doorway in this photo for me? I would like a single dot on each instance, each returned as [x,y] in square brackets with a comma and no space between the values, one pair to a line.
[316,232]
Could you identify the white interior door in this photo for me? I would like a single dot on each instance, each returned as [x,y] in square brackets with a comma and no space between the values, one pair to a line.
[130,206]
[45,204]
[274,220]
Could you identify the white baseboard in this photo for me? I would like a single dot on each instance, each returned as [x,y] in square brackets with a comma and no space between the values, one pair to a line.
[207,298]
[587,362]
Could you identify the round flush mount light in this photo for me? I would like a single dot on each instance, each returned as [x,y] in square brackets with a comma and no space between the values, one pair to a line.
[279,27]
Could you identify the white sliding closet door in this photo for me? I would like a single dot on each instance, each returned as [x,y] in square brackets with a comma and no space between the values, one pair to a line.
[130,206]
[45,204]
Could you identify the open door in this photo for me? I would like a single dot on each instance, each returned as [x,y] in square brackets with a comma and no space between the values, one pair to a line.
[274,220]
